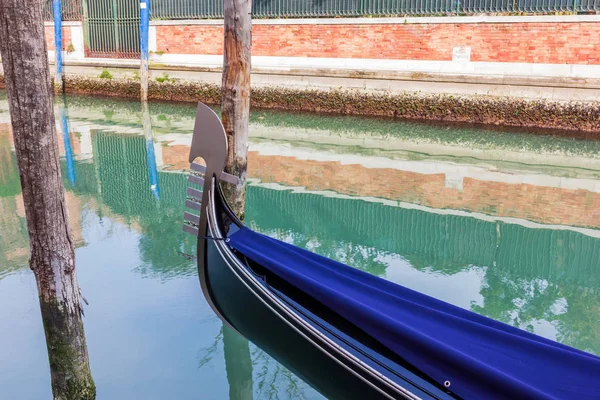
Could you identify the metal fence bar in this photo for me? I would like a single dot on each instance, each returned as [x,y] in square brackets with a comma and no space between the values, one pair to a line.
[193,9]
[71,10]
[112,28]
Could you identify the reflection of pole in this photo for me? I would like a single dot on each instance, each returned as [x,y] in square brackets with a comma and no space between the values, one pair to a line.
[64,124]
[150,156]
[58,80]
[96,165]
[144,27]
[237,364]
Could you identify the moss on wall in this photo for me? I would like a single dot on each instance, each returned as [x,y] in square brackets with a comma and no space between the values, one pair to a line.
[441,107]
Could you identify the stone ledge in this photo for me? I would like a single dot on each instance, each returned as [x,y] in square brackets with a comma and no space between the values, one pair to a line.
[349,73]
[507,111]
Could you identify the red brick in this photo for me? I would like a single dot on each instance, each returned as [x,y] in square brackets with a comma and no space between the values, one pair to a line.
[502,42]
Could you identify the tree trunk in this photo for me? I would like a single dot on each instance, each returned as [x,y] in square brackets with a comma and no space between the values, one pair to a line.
[25,62]
[235,101]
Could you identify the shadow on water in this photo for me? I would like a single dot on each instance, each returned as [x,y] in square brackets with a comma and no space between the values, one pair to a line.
[538,277]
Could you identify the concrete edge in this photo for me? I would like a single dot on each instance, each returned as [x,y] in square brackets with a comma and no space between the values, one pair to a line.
[560,82]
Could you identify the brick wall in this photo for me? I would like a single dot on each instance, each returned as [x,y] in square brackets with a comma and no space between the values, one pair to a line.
[539,42]
[49,30]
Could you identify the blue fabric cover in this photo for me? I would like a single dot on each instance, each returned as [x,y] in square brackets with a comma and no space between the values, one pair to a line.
[480,357]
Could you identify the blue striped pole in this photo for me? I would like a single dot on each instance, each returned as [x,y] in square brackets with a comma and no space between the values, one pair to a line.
[58,80]
[144,28]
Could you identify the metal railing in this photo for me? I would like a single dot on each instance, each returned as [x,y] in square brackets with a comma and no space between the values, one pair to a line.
[112,28]
[528,6]
[190,9]
[71,10]
[184,9]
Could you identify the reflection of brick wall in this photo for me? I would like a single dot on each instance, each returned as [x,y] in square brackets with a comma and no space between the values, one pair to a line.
[5,130]
[540,42]
[535,203]
[50,37]
[175,158]
[74,205]
[74,208]
[75,142]
[542,204]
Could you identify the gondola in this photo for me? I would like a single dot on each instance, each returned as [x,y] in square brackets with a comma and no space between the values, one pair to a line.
[352,335]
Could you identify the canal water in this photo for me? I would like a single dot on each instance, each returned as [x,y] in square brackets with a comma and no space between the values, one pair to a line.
[503,223]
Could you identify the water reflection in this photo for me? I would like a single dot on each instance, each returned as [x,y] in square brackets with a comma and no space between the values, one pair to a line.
[237,364]
[542,280]
[504,224]
[13,226]
[150,154]
[64,125]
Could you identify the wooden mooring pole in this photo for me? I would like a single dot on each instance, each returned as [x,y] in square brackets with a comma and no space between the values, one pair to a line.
[52,251]
[235,108]
[235,100]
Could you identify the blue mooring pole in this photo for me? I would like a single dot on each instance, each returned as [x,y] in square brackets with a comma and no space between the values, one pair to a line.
[144,28]
[58,79]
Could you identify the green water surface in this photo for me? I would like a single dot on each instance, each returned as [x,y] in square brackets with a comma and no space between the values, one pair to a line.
[149,331]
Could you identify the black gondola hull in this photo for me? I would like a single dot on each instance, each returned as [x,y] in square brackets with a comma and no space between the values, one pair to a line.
[258,323]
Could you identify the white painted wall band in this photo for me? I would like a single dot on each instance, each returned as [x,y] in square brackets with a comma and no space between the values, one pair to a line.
[497,69]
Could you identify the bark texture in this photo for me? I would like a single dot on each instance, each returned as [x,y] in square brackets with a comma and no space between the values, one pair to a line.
[25,62]
[235,101]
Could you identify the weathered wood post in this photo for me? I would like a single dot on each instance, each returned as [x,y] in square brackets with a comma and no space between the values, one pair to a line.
[52,259]
[235,108]
[235,100]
